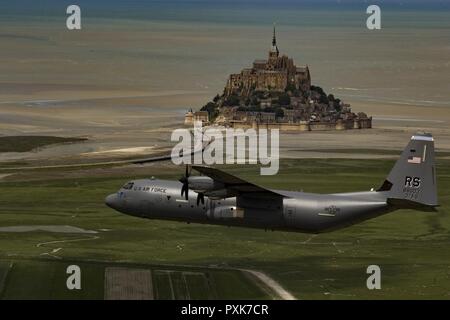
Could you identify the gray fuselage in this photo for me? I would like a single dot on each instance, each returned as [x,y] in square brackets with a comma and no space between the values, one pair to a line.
[297,211]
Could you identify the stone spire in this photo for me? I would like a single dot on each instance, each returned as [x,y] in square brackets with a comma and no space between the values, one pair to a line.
[274,47]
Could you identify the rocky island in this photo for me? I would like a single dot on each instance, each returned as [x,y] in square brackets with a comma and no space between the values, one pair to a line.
[277,94]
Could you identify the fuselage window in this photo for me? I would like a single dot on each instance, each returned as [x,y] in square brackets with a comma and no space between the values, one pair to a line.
[128,186]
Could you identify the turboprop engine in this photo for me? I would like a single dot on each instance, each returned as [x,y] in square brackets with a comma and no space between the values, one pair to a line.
[201,185]
[204,184]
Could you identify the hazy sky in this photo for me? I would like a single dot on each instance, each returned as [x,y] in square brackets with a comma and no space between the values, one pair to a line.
[102,7]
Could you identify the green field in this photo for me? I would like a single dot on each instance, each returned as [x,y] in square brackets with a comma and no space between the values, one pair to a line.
[29,143]
[410,247]
[41,279]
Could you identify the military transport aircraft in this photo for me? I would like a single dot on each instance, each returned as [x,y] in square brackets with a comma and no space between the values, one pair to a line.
[224,199]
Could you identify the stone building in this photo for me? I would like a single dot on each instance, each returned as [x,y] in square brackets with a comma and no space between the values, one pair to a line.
[276,94]
[276,74]
[191,117]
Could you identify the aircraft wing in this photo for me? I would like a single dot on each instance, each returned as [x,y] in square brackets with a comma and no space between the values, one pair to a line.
[236,186]
[169,156]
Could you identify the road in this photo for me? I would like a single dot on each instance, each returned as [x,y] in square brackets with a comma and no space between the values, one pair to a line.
[271,283]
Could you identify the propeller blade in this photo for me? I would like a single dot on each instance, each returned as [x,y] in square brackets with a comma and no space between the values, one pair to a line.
[185,190]
[185,181]
[200,198]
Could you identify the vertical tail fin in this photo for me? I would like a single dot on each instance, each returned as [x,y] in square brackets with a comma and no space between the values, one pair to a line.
[412,181]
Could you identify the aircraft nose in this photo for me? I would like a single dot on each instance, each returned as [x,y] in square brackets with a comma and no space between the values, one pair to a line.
[111,201]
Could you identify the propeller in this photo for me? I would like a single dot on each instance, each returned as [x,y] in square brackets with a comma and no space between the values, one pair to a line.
[185,188]
[185,181]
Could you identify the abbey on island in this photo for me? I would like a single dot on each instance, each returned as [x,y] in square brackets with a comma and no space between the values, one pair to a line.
[275,93]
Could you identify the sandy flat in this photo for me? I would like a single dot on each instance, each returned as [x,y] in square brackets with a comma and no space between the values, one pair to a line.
[135,150]
[143,125]
[133,95]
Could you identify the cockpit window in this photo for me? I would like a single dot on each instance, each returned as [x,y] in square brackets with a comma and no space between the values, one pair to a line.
[128,186]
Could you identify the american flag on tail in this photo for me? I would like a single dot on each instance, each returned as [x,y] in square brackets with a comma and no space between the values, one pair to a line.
[414,159]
